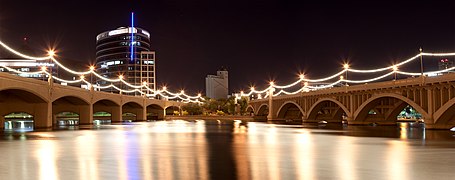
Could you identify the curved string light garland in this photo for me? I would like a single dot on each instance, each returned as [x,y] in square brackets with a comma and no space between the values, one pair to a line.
[135,88]
[341,79]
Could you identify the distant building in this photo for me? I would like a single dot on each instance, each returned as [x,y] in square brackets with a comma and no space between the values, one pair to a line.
[216,86]
[445,64]
[119,54]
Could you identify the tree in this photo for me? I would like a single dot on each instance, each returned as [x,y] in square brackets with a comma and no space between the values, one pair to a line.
[192,109]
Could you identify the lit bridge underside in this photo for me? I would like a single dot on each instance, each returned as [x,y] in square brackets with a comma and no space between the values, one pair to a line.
[433,97]
[44,100]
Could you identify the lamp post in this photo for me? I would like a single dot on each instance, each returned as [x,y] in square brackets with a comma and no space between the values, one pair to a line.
[395,69]
[421,66]
[92,68]
[346,67]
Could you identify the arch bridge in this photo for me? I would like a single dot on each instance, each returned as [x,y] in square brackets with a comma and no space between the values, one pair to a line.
[381,102]
[44,101]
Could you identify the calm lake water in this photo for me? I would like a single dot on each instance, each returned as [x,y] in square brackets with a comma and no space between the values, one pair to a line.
[228,150]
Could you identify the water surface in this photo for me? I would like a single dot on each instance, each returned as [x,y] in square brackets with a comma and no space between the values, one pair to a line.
[226,150]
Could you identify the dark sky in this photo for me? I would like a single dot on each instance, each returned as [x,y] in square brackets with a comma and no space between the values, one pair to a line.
[256,40]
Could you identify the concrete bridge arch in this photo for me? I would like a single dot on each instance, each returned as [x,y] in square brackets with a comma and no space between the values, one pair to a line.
[262,109]
[30,101]
[446,114]
[72,103]
[285,107]
[335,112]
[250,109]
[366,106]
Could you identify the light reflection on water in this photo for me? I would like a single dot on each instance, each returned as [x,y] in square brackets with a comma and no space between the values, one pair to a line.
[229,150]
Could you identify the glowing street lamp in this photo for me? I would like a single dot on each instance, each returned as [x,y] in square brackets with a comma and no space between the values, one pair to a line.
[346,67]
[51,53]
[395,69]
[421,64]
[92,69]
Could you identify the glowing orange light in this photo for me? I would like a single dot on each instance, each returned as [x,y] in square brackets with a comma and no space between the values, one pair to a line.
[341,77]
[164,88]
[346,66]
[395,68]
[271,83]
[144,83]
[301,76]
[43,68]
[82,76]
[252,88]
[51,52]
[120,76]
[92,68]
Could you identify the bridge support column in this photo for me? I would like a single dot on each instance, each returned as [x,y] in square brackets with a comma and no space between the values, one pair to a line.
[54,119]
[86,115]
[164,113]
[2,123]
[142,114]
[270,116]
[43,115]
[116,115]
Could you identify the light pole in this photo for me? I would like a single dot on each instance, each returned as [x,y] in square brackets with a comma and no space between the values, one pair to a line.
[421,65]
[395,69]
[346,67]
[92,69]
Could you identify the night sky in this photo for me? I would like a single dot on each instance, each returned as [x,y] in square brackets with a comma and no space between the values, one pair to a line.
[257,41]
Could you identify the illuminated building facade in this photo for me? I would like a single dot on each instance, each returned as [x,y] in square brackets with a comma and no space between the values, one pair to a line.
[216,86]
[125,51]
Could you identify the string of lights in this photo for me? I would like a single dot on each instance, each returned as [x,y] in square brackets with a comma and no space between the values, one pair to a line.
[135,88]
[342,79]
[184,97]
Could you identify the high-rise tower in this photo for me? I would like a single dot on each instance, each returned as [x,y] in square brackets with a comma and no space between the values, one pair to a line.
[125,51]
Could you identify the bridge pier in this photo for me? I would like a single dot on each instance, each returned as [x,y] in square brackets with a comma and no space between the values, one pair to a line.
[43,115]
[271,115]
[141,114]
[86,115]
[2,122]
[116,115]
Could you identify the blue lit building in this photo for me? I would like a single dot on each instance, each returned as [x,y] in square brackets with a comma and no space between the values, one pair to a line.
[125,51]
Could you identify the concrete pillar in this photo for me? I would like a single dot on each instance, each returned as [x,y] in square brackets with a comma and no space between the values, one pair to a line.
[116,115]
[86,114]
[351,106]
[54,120]
[164,113]
[270,116]
[43,115]
[2,122]
[141,114]
[430,106]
